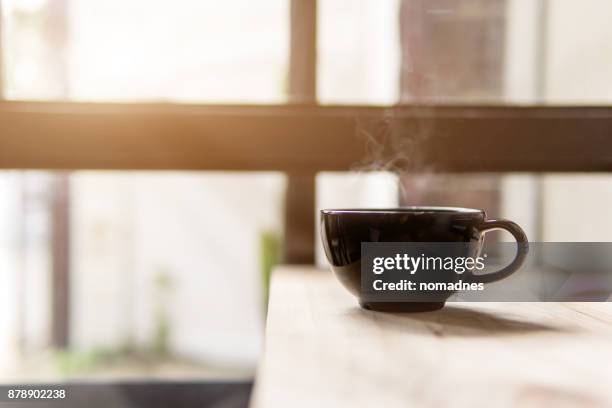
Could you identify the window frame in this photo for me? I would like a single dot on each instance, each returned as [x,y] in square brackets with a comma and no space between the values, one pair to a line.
[299,138]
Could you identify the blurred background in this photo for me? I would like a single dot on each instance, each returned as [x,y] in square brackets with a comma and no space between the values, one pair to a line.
[163,274]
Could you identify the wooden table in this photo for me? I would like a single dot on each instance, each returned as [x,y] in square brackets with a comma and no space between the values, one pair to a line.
[322,350]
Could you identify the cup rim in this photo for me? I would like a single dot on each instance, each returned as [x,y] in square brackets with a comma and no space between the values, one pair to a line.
[403,210]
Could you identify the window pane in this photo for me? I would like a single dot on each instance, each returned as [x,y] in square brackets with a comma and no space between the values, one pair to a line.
[167,273]
[358,51]
[578,52]
[123,50]
[466,51]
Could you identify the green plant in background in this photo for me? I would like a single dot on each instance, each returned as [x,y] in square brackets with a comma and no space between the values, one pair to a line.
[270,252]
[163,288]
[71,362]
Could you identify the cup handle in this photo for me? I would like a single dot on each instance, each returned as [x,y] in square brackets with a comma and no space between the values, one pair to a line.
[521,250]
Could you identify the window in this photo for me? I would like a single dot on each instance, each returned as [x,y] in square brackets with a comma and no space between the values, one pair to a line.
[166,273]
[470,51]
[142,50]
[212,154]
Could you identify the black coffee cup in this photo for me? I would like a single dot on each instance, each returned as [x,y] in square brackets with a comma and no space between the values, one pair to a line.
[344,230]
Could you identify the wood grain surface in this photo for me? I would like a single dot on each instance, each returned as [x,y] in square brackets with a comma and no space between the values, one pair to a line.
[322,350]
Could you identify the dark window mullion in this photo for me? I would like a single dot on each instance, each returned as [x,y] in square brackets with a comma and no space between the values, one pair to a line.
[303,52]
[300,198]
[2,96]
